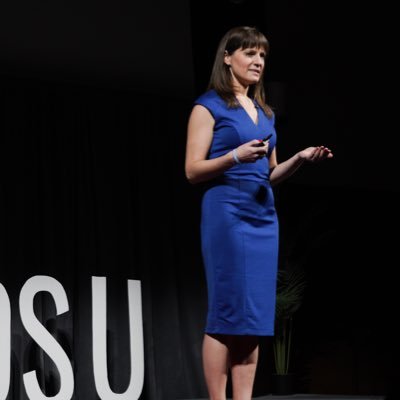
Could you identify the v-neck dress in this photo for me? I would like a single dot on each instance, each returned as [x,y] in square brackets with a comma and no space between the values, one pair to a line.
[239,227]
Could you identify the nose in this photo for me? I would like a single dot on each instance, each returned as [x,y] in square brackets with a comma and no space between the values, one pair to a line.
[258,60]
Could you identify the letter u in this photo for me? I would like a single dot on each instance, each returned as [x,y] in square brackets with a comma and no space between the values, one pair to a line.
[99,306]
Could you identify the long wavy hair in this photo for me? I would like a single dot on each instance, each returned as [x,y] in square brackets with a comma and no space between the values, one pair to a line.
[242,37]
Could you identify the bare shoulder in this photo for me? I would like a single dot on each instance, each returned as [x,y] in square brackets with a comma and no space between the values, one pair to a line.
[201,117]
[200,111]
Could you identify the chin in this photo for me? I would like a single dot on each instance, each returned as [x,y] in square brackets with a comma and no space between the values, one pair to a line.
[254,80]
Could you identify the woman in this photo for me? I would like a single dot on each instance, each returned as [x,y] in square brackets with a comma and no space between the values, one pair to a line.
[227,146]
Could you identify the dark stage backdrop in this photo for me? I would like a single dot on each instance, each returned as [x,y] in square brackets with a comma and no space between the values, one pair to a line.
[145,45]
[92,184]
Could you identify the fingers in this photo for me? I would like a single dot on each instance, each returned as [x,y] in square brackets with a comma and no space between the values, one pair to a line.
[262,151]
[315,154]
[327,153]
[320,153]
[253,150]
[258,153]
[324,153]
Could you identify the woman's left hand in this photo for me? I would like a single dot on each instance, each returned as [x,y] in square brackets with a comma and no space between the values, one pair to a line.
[315,154]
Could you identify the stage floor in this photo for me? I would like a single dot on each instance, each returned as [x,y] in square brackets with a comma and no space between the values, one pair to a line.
[314,397]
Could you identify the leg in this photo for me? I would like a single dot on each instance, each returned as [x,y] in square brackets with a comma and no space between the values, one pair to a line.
[215,365]
[243,352]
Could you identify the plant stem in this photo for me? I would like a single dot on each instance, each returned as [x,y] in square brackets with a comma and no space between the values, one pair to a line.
[289,343]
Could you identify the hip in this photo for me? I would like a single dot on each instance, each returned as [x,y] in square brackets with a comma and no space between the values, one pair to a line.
[242,196]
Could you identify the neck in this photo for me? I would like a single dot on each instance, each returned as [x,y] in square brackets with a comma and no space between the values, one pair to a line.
[241,91]
[239,88]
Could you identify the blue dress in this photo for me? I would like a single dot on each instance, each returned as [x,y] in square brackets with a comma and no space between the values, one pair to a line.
[239,228]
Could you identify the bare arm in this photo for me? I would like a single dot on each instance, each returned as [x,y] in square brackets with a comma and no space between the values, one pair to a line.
[282,171]
[199,137]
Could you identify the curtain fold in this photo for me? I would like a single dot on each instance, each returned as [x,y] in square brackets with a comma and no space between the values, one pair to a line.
[93,185]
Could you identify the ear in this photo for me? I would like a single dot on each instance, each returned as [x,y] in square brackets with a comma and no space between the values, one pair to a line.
[227,59]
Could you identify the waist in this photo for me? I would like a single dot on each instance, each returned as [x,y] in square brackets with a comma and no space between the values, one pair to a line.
[239,183]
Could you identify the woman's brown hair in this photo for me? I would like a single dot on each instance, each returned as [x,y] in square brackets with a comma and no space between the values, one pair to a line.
[242,37]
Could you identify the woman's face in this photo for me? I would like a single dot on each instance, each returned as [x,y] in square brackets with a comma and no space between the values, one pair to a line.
[246,65]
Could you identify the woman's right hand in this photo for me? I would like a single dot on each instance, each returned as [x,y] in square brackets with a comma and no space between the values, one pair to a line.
[252,151]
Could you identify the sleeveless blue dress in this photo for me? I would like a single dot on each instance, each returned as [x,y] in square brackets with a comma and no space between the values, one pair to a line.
[239,228]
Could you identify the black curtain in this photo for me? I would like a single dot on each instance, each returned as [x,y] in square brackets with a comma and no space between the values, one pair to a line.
[93,185]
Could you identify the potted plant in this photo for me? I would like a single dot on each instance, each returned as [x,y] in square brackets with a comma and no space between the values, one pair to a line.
[290,289]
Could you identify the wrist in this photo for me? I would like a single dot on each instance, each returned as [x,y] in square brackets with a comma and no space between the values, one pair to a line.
[299,157]
[235,157]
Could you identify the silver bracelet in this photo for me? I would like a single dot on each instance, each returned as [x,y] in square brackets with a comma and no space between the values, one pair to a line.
[235,157]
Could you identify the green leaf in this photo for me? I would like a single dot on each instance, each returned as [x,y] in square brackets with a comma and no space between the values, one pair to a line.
[291,285]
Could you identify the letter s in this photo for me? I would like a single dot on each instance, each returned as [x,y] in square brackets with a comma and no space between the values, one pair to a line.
[43,338]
